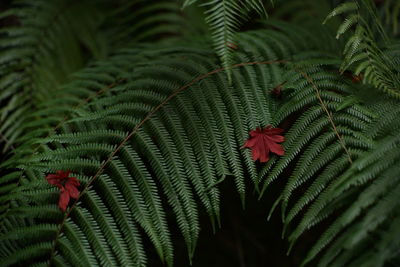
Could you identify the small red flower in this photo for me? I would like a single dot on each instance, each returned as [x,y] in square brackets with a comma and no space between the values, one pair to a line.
[357,78]
[67,185]
[262,141]
[277,90]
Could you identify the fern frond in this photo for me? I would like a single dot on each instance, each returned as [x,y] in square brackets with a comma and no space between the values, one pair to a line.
[363,52]
[140,21]
[28,65]
[147,135]
[151,132]
[224,19]
[358,189]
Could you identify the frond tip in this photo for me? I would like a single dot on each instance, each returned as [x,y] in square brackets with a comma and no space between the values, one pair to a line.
[224,18]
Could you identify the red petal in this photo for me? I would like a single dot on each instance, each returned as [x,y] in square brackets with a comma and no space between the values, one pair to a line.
[73,180]
[72,190]
[251,142]
[264,141]
[53,179]
[276,138]
[276,148]
[255,154]
[259,148]
[264,158]
[63,200]
[53,176]
[57,178]
[264,154]
[256,132]
[63,174]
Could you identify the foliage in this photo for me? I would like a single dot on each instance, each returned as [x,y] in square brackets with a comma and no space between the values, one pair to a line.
[140,111]
[224,18]
[374,63]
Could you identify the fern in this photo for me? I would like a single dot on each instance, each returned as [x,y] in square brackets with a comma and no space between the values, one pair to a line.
[132,154]
[143,157]
[352,160]
[142,21]
[363,52]
[390,15]
[374,172]
[224,18]
[29,57]
[152,130]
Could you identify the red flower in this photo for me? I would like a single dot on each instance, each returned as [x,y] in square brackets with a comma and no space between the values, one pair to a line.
[262,141]
[68,187]
[277,90]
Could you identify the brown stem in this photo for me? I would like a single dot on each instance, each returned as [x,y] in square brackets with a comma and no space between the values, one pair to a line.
[329,114]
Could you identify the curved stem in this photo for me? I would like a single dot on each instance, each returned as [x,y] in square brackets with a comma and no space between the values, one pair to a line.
[328,113]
